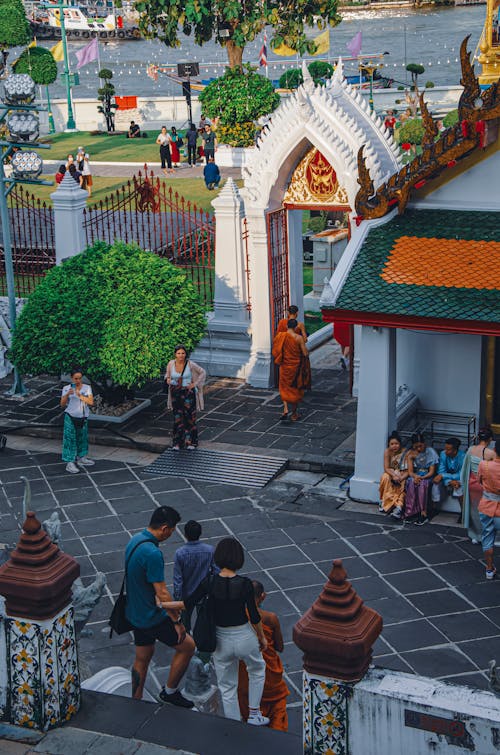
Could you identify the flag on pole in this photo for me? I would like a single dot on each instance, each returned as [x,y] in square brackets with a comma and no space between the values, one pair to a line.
[263,52]
[57,52]
[322,42]
[354,46]
[88,53]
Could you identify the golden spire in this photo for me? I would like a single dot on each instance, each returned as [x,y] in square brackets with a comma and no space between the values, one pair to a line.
[489,45]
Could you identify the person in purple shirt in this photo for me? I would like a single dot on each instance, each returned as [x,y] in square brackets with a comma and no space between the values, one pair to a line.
[193,562]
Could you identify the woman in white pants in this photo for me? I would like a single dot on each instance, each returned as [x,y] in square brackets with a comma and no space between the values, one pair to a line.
[238,639]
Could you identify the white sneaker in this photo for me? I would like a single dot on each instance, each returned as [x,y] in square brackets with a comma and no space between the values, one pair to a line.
[72,468]
[259,720]
[84,461]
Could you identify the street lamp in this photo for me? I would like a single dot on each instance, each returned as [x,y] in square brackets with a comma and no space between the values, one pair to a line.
[59,5]
[370,66]
[23,126]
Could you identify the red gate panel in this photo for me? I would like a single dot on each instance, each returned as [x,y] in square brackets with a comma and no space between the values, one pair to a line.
[277,235]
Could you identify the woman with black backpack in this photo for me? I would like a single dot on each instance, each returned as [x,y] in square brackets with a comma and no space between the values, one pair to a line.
[238,629]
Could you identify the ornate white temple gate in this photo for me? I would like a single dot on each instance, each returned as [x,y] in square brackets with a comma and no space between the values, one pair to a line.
[307,159]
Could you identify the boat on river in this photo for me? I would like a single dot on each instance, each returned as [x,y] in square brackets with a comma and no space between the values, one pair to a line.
[45,22]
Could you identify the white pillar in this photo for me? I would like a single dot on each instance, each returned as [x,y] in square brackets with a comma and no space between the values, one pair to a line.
[261,362]
[225,350]
[69,202]
[376,409]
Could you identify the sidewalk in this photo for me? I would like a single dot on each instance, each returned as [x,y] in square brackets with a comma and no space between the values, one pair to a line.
[237,417]
[127,170]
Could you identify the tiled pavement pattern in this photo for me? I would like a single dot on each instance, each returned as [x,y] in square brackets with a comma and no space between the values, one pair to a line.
[441,618]
[237,416]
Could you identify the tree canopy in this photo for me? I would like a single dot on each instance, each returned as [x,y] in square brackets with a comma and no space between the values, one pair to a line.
[239,97]
[14,26]
[115,309]
[233,23]
[319,70]
[39,63]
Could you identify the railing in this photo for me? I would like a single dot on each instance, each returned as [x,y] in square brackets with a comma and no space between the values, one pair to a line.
[32,238]
[145,211]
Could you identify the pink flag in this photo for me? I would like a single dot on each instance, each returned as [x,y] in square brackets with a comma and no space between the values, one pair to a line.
[88,53]
[354,46]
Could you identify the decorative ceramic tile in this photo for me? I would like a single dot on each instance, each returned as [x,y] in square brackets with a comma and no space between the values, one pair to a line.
[43,677]
[325,715]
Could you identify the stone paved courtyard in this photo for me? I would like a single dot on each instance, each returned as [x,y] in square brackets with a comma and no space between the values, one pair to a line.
[441,618]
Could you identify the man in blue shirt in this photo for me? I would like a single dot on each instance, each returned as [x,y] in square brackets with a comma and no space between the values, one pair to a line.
[145,583]
[211,173]
[192,563]
[447,480]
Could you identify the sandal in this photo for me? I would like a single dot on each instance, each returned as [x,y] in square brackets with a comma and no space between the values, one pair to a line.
[295,417]
[284,417]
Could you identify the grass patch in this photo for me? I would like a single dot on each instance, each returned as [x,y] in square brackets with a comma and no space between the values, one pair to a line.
[104,147]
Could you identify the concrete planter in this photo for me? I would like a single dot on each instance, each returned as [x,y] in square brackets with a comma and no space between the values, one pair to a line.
[232,157]
[144,403]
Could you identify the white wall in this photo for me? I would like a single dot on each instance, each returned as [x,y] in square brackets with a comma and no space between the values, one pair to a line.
[377,724]
[442,369]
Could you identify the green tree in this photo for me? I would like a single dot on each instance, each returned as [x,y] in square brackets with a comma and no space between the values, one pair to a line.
[38,63]
[450,119]
[14,26]
[239,96]
[412,131]
[320,70]
[116,310]
[233,23]
[105,95]
[416,70]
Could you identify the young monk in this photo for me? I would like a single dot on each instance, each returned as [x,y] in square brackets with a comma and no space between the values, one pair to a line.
[273,703]
[293,311]
[290,353]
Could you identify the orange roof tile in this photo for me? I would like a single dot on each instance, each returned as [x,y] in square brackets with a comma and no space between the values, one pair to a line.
[452,263]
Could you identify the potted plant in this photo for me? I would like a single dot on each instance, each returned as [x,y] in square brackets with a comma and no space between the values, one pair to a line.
[116,310]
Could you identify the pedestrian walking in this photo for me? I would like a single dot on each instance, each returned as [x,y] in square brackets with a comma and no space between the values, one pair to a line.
[146,590]
[293,312]
[163,139]
[489,507]
[87,175]
[240,636]
[192,563]
[175,144]
[472,488]
[76,400]
[185,380]
[290,353]
[273,703]
[192,141]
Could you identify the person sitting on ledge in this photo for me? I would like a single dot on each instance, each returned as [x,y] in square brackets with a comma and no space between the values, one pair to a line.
[211,174]
[447,481]
[134,131]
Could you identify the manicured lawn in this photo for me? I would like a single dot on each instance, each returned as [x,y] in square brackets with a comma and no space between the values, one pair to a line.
[192,189]
[104,148]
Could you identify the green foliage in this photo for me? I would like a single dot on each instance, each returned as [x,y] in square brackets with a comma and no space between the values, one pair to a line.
[166,19]
[318,223]
[412,131]
[105,73]
[239,97]
[291,79]
[429,85]
[400,88]
[238,135]
[116,310]
[14,26]
[38,63]
[319,70]
[416,69]
[450,119]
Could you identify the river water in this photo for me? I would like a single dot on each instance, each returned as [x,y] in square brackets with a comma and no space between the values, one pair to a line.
[431,36]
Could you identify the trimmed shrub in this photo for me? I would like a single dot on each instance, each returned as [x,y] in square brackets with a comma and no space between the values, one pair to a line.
[239,135]
[116,310]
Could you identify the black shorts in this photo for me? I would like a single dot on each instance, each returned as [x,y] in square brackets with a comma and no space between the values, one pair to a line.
[164,632]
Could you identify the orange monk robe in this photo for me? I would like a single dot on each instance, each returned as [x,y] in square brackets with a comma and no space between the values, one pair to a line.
[300,329]
[288,354]
[273,703]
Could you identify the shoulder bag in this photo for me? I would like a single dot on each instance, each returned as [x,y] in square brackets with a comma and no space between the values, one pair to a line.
[118,620]
[204,629]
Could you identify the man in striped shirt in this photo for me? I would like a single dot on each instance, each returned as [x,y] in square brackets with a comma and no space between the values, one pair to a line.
[193,562]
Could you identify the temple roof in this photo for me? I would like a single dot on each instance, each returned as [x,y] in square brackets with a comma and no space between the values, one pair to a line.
[434,269]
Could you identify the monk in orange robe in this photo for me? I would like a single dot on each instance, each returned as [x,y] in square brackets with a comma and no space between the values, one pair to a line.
[293,311]
[290,353]
[273,703]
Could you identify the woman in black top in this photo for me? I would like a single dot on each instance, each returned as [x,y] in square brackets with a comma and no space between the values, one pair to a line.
[234,605]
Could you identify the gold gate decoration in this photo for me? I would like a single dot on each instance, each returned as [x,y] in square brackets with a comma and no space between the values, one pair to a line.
[314,182]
